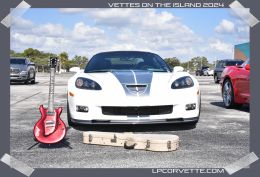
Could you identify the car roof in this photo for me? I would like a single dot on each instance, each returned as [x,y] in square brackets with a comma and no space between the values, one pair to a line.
[125,51]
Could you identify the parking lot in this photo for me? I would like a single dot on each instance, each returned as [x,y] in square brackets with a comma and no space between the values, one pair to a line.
[220,138]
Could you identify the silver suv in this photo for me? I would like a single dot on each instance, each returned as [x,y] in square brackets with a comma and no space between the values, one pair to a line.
[22,70]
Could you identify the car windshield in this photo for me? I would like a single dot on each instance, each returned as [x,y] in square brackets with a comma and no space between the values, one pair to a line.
[233,63]
[17,61]
[109,61]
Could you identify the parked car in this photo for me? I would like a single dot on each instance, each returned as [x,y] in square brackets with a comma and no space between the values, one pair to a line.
[235,85]
[132,87]
[74,69]
[22,70]
[221,64]
[204,71]
[208,72]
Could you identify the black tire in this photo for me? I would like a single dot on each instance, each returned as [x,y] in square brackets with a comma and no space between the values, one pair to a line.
[27,81]
[33,80]
[216,79]
[228,95]
[70,123]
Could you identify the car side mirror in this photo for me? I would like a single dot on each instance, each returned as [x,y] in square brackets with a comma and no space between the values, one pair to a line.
[247,67]
[178,69]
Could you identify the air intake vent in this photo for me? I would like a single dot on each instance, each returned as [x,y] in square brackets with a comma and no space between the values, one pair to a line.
[137,111]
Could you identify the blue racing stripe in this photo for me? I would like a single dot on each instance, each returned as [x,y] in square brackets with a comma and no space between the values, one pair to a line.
[135,83]
[124,77]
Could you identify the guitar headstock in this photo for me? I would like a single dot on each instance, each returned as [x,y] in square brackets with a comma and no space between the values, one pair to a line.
[53,62]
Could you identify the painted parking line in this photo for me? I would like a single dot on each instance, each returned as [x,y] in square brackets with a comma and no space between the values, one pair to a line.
[25,98]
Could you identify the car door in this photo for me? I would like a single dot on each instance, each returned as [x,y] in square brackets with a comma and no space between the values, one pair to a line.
[243,82]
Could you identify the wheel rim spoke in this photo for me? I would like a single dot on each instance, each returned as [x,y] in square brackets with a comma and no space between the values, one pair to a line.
[227,93]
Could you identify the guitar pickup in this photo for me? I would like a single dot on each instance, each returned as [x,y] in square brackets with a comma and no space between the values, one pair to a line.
[50,124]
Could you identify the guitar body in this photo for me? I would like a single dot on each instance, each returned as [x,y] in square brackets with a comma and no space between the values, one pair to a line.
[50,128]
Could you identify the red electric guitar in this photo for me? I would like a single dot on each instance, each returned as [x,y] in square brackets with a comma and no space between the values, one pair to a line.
[50,128]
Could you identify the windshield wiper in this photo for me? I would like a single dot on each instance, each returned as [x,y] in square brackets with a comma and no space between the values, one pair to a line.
[98,71]
[160,71]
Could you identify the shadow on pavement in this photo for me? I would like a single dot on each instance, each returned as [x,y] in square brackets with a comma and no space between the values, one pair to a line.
[135,128]
[63,144]
[22,83]
[244,108]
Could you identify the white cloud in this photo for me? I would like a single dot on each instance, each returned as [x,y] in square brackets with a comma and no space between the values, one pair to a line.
[21,23]
[235,28]
[85,32]
[220,46]
[27,39]
[225,27]
[50,30]
[117,29]
[121,29]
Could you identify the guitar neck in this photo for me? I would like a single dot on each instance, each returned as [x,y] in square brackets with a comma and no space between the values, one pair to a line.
[51,91]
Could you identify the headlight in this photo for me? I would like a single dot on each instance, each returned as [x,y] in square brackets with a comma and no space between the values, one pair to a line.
[183,82]
[23,72]
[84,83]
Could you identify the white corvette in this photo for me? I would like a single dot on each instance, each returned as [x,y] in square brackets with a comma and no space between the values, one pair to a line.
[132,87]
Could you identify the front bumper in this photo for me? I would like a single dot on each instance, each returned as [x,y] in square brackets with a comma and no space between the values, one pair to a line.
[14,78]
[95,101]
[133,122]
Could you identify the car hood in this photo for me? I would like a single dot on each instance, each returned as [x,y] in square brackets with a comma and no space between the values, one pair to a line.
[131,82]
[18,66]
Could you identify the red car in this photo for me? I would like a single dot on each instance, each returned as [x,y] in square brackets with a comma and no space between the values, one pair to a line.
[235,85]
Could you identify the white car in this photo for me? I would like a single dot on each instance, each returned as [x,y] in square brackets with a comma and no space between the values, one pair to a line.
[132,87]
[208,72]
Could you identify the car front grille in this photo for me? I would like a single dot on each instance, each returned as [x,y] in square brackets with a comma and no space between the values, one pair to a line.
[14,71]
[137,111]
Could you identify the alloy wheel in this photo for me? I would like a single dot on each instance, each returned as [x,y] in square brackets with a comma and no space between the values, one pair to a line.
[227,94]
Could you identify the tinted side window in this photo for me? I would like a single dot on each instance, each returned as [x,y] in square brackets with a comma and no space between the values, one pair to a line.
[224,64]
[220,64]
[245,63]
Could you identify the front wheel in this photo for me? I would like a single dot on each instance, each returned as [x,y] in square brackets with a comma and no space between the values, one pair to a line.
[216,79]
[228,95]
[33,80]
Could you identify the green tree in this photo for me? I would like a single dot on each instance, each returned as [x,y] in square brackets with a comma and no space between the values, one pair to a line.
[64,57]
[172,62]
[31,53]
[12,52]
[80,61]
[69,64]
[15,54]
[198,62]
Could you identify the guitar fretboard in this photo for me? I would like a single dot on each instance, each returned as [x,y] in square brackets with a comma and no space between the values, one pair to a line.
[51,91]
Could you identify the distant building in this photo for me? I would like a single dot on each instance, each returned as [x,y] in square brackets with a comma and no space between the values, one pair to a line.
[242,51]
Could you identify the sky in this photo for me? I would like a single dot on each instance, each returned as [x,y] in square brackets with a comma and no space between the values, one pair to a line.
[170,32]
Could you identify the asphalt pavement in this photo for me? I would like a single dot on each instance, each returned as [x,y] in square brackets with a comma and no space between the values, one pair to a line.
[220,138]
